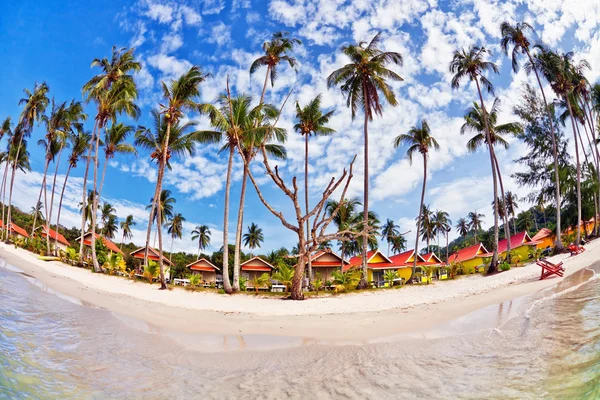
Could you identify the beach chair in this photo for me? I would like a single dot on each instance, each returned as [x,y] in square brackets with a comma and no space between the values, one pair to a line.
[576,249]
[549,269]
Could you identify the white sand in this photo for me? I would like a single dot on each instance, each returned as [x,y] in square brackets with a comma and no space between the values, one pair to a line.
[345,313]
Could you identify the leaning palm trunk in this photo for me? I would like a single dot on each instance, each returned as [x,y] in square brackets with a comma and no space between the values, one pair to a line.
[310,275]
[62,194]
[40,196]
[52,201]
[226,281]
[578,236]
[414,267]
[97,267]
[151,218]
[559,245]
[494,262]
[3,191]
[84,195]
[161,173]
[505,214]
[365,233]
[12,181]
[238,233]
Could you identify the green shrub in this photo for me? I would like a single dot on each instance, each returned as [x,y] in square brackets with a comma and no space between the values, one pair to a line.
[504,266]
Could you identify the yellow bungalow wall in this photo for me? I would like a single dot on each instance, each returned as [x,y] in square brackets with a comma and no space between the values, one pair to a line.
[377,259]
[522,250]
[473,262]
[545,242]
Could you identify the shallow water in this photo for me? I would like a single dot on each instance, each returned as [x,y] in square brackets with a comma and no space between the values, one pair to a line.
[542,346]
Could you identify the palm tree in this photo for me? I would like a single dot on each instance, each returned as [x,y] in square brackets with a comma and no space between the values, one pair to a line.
[418,139]
[180,96]
[426,228]
[275,51]
[441,224]
[511,201]
[472,65]
[114,143]
[516,36]
[390,231]
[361,82]
[201,233]
[106,214]
[285,275]
[398,244]
[311,121]
[110,227]
[85,208]
[254,237]
[114,91]
[343,220]
[462,227]
[165,206]
[175,229]
[19,156]
[475,222]
[36,211]
[126,228]
[236,124]
[79,143]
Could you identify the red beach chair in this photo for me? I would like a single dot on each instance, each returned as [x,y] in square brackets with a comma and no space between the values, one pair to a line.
[576,249]
[549,269]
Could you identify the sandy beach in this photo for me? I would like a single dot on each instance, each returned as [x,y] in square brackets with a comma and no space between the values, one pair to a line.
[350,318]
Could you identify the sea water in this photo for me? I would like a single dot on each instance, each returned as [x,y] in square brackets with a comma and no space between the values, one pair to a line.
[542,346]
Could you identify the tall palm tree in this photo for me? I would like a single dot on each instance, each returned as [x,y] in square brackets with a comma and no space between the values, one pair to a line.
[361,82]
[311,121]
[512,204]
[560,71]
[110,227]
[418,139]
[175,229]
[201,234]
[426,228]
[19,156]
[166,204]
[234,120]
[276,50]
[78,143]
[253,237]
[106,212]
[343,221]
[441,224]
[462,227]
[85,208]
[516,36]
[36,211]
[180,97]
[126,229]
[115,143]
[114,91]
[475,222]
[472,64]
[390,231]
[398,244]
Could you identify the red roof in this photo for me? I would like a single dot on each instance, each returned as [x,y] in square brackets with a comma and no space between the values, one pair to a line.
[15,228]
[198,265]
[256,264]
[520,239]
[109,245]
[152,254]
[542,233]
[468,253]
[432,258]
[53,235]
[392,262]
[357,260]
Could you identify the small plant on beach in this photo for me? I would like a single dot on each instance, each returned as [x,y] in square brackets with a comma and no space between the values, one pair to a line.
[390,276]
[72,255]
[504,266]
[535,254]
[345,281]
[515,257]
[317,282]
[260,281]
[455,269]
[243,282]
[150,270]
[114,263]
[285,275]
[101,252]
[195,279]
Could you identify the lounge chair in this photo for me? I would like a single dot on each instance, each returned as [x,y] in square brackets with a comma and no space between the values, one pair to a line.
[574,249]
[549,269]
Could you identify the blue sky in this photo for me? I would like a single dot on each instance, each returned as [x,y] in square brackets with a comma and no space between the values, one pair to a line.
[56,42]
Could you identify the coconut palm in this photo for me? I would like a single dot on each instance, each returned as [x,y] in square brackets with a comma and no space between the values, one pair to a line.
[284,275]
[85,208]
[475,222]
[126,228]
[254,237]
[361,82]
[511,200]
[516,36]
[343,220]
[462,227]
[114,143]
[235,123]
[19,157]
[110,227]
[36,211]
[472,64]
[175,229]
[114,92]
[389,276]
[260,281]
[180,96]
[165,206]
[441,225]
[106,212]
[311,121]
[390,231]
[418,139]
[398,244]
[201,234]
[426,228]
[276,50]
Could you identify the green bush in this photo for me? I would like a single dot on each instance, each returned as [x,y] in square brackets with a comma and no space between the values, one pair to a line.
[504,266]
[101,252]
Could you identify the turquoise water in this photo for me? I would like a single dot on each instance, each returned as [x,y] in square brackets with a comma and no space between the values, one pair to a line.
[545,346]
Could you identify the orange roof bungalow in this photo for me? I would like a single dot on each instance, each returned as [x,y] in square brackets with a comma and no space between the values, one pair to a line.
[255,267]
[470,257]
[204,267]
[152,255]
[545,238]
[325,262]
[62,242]
[16,229]
[406,260]
[87,241]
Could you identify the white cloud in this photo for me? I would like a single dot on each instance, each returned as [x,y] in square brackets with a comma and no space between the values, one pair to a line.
[220,34]
[160,12]
[170,66]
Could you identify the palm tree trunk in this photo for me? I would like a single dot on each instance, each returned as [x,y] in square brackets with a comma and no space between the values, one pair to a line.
[309,261]
[365,233]
[414,267]
[505,216]
[161,172]
[494,263]
[238,233]
[163,284]
[297,281]
[103,175]
[3,191]
[578,236]
[559,245]
[171,250]
[40,196]
[447,255]
[12,181]
[62,194]
[151,218]
[226,281]
[95,198]
[264,90]
[84,195]
[52,199]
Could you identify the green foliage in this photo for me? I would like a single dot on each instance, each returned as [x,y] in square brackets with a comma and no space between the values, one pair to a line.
[515,257]
[284,274]
[347,280]
[389,276]
[151,270]
[317,282]
[243,282]
[535,253]
[260,281]
[114,263]
[72,254]
[195,279]
[504,266]
[101,252]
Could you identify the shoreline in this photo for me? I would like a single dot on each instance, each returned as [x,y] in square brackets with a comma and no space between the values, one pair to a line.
[356,318]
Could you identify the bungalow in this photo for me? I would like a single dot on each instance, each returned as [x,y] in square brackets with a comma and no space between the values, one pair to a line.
[470,257]
[154,256]
[255,267]
[521,243]
[325,262]
[16,230]
[378,263]
[61,243]
[206,268]
[545,238]
[87,242]
[431,258]
[405,261]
